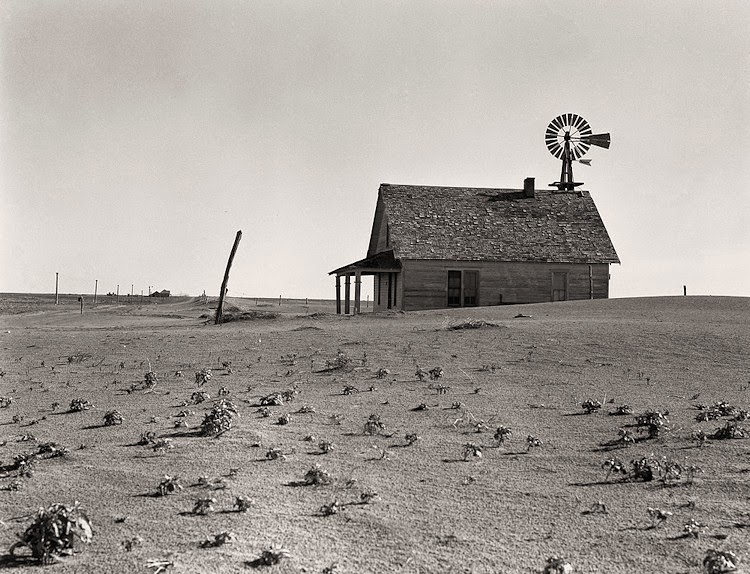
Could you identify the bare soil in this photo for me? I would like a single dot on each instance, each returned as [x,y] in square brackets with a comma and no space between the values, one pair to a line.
[435,512]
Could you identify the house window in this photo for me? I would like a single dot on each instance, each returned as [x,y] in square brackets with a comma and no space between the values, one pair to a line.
[454,288]
[471,288]
[559,286]
[463,288]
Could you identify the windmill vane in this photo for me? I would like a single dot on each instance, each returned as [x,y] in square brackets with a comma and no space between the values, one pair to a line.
[568,138]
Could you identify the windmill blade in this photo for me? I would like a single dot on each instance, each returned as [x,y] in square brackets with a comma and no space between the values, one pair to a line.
[579,149]
[556,124]
[555,149]
[599,140]
[582,126]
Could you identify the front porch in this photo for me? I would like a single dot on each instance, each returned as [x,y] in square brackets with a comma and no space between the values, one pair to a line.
[384,266]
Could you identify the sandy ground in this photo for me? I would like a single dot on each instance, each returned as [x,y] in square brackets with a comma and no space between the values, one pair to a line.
[434,512]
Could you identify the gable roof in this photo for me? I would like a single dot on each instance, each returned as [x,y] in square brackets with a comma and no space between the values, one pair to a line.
[473,224]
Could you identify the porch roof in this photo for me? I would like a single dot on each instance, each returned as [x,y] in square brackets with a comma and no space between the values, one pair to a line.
[378,263]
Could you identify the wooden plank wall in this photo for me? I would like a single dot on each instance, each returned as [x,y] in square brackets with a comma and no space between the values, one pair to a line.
[424,283]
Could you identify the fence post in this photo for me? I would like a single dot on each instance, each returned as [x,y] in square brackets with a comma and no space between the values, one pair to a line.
[220,307]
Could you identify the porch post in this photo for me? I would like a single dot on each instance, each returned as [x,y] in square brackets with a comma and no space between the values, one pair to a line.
[346,294]
[338,294]
[357,291]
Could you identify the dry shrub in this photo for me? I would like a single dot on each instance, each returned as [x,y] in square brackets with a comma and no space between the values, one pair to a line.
[149,380]
[199,396]
[112,418]
[54,533]
[219,420]
[729,431]
[472,450]
[591,406]
[272,400]
[658,516]
[654,422]
[248,316]
[219,539]
[622,410]
[52,450]
[202,377]
[720,561]
[341,363]
[436,373]
[325,446]
[242,503]
[204,505]
[532,442]
[77,405]
[557,565]
[269,557]
[502,434]
[169,485]
[614,464]
[374,425]
[162,445]
[472,324]
[147,438]
[330,508]
[275,454]
[411,438]
[316,476]
[644,468]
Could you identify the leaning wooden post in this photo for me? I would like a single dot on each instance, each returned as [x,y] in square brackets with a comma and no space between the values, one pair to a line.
[57,297]
[220,307]
[96,288]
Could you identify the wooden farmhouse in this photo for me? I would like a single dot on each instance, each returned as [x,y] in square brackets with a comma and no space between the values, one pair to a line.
[438,247]
[164,293]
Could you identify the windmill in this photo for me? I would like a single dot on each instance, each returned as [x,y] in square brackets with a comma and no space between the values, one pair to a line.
[568,138]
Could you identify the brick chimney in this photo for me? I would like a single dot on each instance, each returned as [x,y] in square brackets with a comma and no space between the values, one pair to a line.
[528,187]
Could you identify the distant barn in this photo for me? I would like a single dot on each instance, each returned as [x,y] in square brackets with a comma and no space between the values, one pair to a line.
[164,293]
[437,247]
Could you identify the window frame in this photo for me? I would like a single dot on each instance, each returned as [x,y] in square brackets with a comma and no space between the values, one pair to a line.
[450,298]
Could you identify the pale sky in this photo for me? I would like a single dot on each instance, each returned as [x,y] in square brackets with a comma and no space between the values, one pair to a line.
[136,138]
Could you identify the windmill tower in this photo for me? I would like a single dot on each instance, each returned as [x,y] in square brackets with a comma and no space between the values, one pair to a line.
[568,138]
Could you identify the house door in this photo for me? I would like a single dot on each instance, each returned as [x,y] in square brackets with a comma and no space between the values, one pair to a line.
[559,286]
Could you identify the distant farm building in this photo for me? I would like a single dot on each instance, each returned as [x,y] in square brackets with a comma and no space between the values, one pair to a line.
[164,293]
[437,247]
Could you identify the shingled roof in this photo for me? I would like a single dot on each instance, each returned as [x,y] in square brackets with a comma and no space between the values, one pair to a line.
[484,224]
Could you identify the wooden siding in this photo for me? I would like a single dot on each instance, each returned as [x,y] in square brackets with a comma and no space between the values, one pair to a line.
[424,283]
